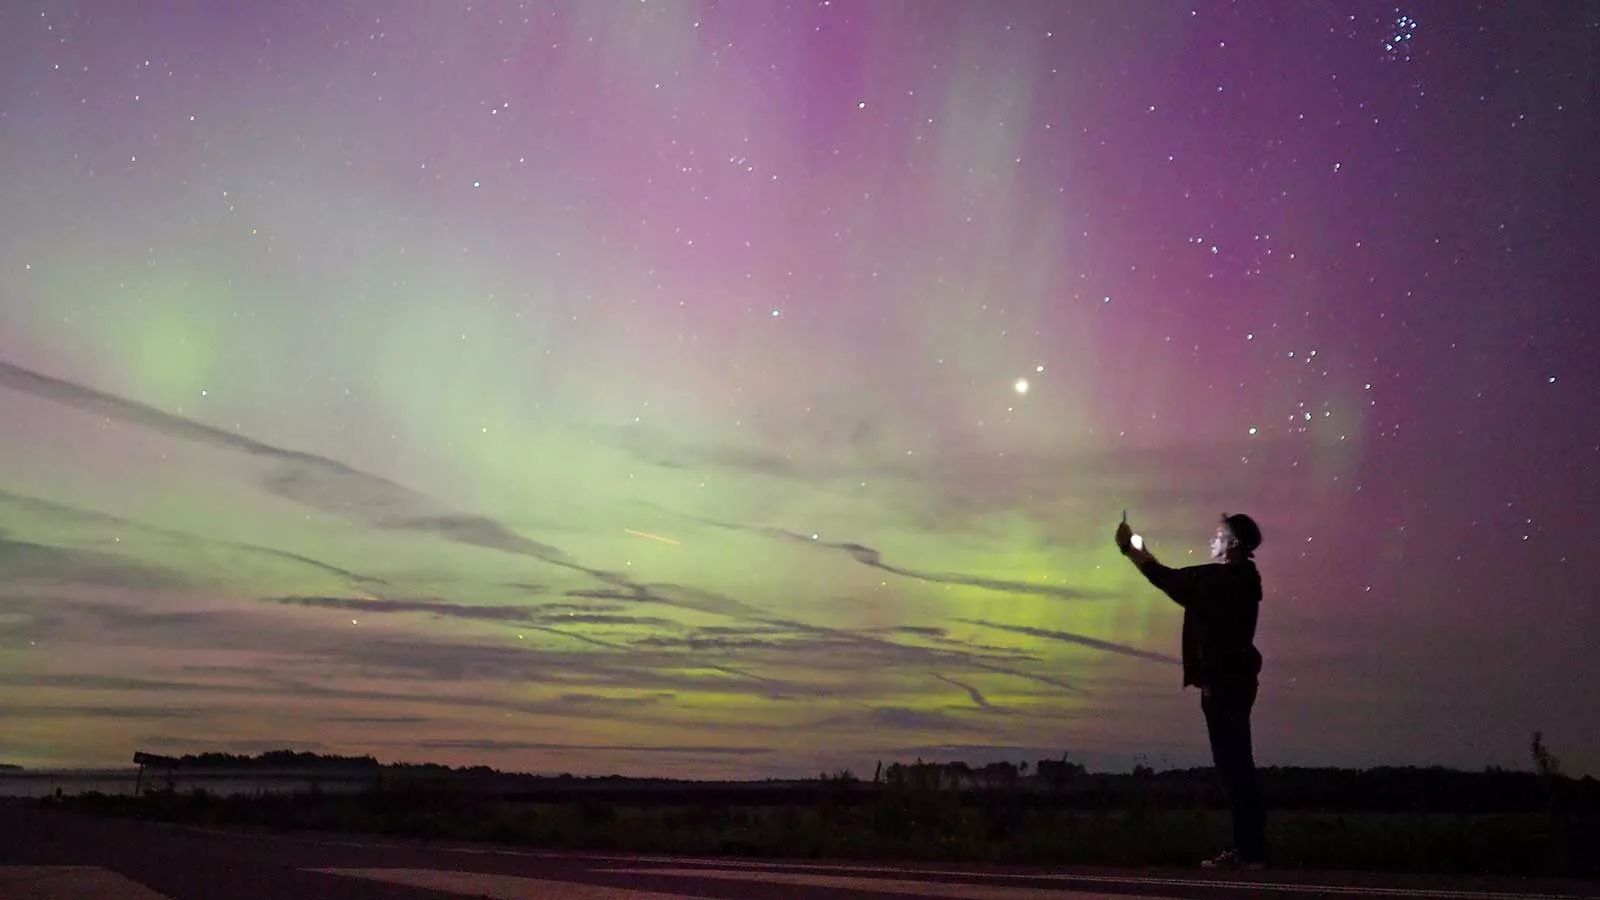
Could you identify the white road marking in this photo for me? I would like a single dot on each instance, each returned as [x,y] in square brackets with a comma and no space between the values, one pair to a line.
[753,867]
[71,883]
[500,887]
[954,890]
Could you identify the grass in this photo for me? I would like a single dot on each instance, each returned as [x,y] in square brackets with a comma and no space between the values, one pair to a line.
[908,826]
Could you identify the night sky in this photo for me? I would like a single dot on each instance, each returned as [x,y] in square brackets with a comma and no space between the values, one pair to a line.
[752,388]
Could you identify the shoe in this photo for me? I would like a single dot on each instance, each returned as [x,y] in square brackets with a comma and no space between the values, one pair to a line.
[1230,859]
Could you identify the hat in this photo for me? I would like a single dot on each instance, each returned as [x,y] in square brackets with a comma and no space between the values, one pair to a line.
[1244,530]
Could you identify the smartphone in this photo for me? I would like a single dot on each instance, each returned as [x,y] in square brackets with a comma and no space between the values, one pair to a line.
[1137,540]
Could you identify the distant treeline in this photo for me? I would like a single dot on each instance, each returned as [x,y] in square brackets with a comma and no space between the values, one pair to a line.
[1057,783]
[272,759]
[281,760]
[1382,789]
[294,759]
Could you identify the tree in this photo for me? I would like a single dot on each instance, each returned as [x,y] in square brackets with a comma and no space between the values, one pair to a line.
[999,775]
[1544,762]
[959,773]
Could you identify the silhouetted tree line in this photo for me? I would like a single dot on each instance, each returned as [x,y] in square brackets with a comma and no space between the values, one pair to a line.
[1051,811]
[303,760]
[1062,783]
[959,775]
[1056,783]
[276,759]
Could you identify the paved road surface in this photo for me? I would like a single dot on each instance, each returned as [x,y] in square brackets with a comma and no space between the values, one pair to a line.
[52,855]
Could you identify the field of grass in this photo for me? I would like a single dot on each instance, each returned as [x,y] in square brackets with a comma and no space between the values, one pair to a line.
[913,826]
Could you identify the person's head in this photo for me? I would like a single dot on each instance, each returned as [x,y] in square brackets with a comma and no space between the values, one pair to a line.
[1237,538]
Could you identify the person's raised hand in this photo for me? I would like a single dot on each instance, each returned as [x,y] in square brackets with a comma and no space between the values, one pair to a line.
[1124,537]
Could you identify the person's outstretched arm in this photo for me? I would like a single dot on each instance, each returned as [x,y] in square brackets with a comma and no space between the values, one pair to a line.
[1184,586]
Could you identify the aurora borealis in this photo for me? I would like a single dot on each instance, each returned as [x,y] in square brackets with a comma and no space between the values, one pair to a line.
[728,389]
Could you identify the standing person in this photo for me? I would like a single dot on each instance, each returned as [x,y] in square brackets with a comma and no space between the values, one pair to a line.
[1220,601]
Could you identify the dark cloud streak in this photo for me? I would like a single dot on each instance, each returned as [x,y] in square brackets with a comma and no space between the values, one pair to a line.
[867,556]
[318,482]
[1079,639]
[25,560]
[976,695]
[75,514]
[493,745]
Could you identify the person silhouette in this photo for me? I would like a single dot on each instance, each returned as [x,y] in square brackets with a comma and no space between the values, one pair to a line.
[1221,601]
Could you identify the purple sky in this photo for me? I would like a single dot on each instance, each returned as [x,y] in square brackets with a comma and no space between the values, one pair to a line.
[748,388]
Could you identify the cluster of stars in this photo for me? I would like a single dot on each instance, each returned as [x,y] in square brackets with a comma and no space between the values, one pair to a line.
[1398,44]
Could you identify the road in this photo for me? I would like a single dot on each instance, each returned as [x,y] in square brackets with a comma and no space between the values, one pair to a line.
[53,855]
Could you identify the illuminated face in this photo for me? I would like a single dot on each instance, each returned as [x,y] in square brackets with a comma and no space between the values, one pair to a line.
[1221,543]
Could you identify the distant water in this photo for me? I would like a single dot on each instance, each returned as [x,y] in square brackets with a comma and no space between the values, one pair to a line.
[44,783]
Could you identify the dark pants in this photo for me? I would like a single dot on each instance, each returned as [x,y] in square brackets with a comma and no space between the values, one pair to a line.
[1227,710]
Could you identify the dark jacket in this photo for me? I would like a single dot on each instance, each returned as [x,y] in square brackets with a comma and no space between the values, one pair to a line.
[1220,603]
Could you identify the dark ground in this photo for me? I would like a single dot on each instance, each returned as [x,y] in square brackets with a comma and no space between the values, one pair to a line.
[189,864]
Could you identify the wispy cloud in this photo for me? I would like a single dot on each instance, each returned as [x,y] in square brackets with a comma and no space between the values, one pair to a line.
[373,720]
[977,754]
[901,718]
[987,651]
[489,744]
[976,695]
[1080,639]
[883,650]
[22,561]
[380,606]
[89,681]
[35,508]
[315,481]
[870,557]
[311,683]
[556,622]
[21,711]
